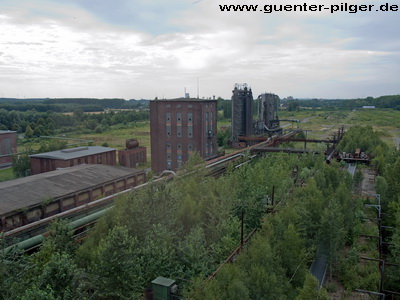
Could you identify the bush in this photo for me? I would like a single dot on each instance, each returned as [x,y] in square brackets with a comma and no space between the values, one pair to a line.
[99,129]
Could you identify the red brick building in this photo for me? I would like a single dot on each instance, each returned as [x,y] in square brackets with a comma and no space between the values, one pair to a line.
[178,127]
[50,161]
[8,146]
[133,155]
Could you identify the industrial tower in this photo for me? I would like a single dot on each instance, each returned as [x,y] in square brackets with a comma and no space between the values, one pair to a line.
[242,112]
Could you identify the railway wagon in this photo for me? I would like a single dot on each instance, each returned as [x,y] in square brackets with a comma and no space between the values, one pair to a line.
[30,199]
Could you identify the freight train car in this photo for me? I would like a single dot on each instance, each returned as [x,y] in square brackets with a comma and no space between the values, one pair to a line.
[36,197]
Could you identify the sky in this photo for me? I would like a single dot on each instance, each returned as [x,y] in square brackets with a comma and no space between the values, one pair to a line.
[137,49]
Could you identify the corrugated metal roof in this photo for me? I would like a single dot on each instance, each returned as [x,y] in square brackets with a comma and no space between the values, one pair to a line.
[29,191]
[72,153]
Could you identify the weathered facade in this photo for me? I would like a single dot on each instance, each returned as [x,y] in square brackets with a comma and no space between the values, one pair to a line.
[133,155]
[29,199]
[179,127]
[8,146]
[50,161]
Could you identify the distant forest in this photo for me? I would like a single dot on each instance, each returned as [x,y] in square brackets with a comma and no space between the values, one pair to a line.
[392,101]
[37,123]
[91,104]
[70,104]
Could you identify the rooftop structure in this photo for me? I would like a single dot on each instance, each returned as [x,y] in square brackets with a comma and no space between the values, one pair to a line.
[50,161]
[7,131]
[67,154]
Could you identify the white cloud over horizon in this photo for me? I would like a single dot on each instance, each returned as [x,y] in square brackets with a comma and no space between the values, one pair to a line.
[146,49]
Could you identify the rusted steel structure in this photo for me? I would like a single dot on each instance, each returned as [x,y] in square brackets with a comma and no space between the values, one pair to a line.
[242,112]
[264,138]
[284,150]
[357,157]
[246,131]
[268,120]
[270,144]
[36,197]
[133,155]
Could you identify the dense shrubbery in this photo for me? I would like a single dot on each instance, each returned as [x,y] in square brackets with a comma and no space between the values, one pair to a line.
[363,137]
[388,185]
[186,228]
[387,163]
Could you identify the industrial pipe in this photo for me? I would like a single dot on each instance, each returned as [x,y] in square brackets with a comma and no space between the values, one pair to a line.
[33,242]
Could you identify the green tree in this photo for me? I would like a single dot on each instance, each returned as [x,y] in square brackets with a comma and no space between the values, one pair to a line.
[117,266]
[311,290]
[158,253]
[79,114]
[227,285]
[393,273]
[13,266]
[35,293]
[39,130]
[265,277]
[193,255]
[291,250]
[28,132]
[293,105]
[21,163]
[59,276]
[52,145]
[331,233]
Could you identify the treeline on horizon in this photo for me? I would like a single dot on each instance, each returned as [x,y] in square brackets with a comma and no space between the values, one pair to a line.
[70,104]
[292,104]
[389,101]
[94,104]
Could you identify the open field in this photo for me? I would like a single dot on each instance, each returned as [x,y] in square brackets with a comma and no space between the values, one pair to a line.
[6,174]
[322,123]
[116,135]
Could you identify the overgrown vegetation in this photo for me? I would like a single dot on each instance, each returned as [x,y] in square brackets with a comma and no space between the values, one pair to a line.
[363,274]
[186,228]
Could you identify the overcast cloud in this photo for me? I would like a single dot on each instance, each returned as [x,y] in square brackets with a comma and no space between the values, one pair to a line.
[153,48]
